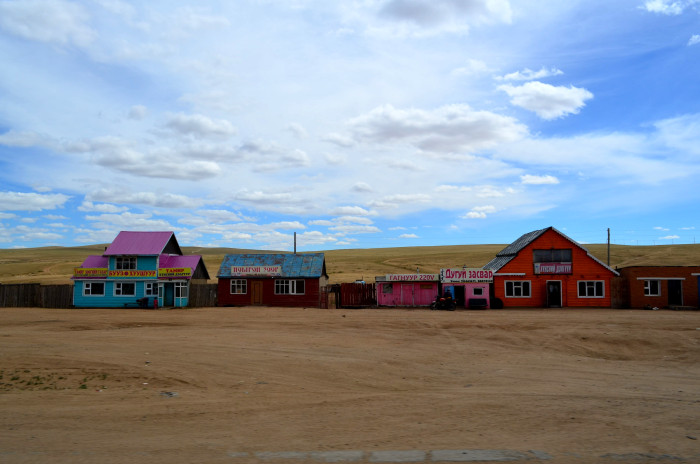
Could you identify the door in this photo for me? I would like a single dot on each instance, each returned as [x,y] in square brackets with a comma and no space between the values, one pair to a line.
[675,292]
[168,298]
[257,292]
[407,294]
[459,296]
[554,293]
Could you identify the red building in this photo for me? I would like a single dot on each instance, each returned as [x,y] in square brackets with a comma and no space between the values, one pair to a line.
[545,268]
[659,286]
[272,279]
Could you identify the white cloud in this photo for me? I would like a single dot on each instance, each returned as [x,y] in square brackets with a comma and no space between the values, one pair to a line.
[670,237]
[668,7]
[52,21]
[548,101]
[408,236]
[538,180]
[298,130]
[138,112]
[452,128]
[198,125]
[694,40]
[89,206]
[351,211]
[480,212]
[19,201]
[362,187]
[159,200]
[528,74]
[473,68]
[661,228]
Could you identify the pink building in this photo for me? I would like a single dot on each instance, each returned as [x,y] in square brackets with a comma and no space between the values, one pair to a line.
[406,289]
[468,287]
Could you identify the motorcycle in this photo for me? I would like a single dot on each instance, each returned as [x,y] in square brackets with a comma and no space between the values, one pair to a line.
[444,302]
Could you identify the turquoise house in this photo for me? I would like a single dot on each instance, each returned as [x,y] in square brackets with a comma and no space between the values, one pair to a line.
[139,269]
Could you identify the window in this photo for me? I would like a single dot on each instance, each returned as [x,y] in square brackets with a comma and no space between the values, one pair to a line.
[591,289]
[94,288]
[552,256]
[239,286]
[124,289]
[387,288]
[181,289]
[151,288]
[652,288]
[289,287]
[478,291]
[125,262]
[515,288]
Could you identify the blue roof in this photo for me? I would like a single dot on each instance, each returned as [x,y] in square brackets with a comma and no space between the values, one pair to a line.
[293,265]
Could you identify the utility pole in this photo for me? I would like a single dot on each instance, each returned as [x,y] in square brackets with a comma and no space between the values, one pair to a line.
[608,246]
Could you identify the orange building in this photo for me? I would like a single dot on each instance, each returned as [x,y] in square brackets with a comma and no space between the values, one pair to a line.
[545,268]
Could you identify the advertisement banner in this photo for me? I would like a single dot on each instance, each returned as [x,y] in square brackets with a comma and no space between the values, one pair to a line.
[466,275]
[412,277]
[170,272]
[133,274]
[553,268]
[87,272]
[256,270]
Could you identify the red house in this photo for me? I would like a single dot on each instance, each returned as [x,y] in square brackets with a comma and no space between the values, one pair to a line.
[272,279]
[660,286]
[545,268]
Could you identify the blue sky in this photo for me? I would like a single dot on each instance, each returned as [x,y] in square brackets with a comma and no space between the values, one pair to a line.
[355,124]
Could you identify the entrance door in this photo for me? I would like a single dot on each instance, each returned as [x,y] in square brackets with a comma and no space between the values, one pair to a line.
[257,292]
[459,296]
[407,294]
[554,293]
[675,292]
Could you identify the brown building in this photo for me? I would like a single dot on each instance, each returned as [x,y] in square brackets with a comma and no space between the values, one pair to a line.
[659,286]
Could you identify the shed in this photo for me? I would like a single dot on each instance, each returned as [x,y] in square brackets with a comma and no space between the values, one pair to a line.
[406,289]
[660,286]
[136,269]
[272,279]
[545,268]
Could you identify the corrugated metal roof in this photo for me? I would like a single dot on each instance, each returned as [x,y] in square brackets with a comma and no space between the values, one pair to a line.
[293,265]
[139,243]
[95,261]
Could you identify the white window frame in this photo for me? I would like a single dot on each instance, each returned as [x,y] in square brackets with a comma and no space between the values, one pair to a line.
[239,287]
[289,287]
[119,289]
[87,288]
[125,263]
[181,290]
[150,288]
[648,287]
[588,287]
[518,284]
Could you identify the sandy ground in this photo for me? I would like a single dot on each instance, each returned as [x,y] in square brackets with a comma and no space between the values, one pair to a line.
[249,385]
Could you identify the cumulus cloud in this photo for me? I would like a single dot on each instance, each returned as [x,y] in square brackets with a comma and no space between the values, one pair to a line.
[548,101]
[160,200]
[268,156]
[479,212]
[473,67]
[408,236]
[20,201]
[538,180]
[200,126]
[528,74]
[51,21]
[89,206]
[669,7]
[694,40]
[394,201]
[362,187]
[452,128]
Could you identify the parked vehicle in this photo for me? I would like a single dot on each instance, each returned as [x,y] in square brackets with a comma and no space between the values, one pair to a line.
[445,302]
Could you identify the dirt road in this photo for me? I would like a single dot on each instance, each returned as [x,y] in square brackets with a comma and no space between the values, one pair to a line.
[250,385]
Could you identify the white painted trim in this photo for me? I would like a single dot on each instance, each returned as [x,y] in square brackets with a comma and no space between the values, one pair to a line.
[660,278]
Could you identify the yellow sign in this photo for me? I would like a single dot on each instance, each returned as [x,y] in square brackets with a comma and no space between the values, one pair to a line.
[175,272]
[132,273]
[90,272]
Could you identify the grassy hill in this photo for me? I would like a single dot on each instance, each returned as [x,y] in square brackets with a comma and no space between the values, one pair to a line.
[54,265]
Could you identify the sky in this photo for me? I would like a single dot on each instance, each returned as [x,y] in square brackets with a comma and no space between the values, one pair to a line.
[354,124]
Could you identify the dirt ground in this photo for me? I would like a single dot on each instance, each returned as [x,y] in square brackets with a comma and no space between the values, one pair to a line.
[249,385]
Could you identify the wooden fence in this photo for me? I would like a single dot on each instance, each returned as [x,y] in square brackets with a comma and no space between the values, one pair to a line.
[36,295]
[202,295]
[357,295]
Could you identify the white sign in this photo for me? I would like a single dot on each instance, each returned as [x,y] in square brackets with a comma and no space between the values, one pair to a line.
[412,277]
[466,275]
[256,270]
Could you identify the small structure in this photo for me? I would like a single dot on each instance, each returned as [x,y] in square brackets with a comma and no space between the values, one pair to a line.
[660,286]
[468,287]
[136,269]
[272,279]
[545,268]
[407,289]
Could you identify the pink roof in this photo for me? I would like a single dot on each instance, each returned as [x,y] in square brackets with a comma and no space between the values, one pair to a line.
[95,261]
[139,243]
[191,261]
